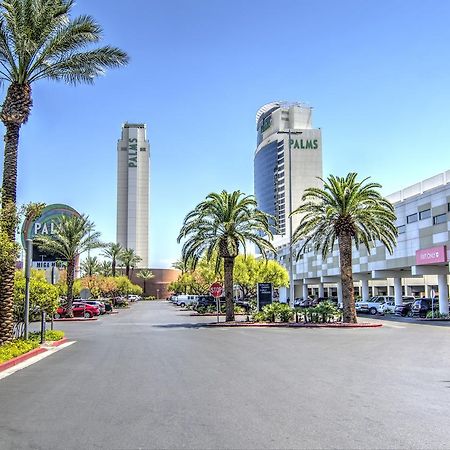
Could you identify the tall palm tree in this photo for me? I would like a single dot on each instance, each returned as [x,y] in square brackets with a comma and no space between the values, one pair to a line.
[129,259]
[145,274]
[348,211]
[221,224]
[39,41]
[113,252]
[74,235]
[105,268]
[90,266]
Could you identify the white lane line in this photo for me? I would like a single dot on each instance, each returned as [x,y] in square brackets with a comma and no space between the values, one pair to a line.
[34,359]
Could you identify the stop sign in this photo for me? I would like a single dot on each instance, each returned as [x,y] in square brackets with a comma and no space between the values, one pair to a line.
[216,290]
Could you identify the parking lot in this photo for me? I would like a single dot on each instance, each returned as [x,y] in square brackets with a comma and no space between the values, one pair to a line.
[153,376]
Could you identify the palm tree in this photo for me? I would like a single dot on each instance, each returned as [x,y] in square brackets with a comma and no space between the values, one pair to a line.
[181,266]
[105,268]
[145,274]
[348,211]
[39,41]
[74,235]
[129,259]
[113,252]
[221,224]
[90,266]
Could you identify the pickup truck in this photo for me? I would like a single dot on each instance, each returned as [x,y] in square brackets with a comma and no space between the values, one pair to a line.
[374,305]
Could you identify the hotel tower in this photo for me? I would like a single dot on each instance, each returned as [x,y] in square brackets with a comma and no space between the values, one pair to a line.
[133,161]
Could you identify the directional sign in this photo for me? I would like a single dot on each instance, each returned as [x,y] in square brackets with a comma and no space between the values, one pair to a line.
[216,290]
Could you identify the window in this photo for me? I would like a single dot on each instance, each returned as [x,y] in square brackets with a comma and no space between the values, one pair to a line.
[425,214]
[401,229]
[411,218]
[441,218]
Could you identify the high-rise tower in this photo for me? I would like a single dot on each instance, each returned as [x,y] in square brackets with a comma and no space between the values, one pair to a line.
[133,164]
[288,160]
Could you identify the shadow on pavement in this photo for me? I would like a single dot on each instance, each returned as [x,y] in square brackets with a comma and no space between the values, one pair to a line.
[407,320]
[181,325]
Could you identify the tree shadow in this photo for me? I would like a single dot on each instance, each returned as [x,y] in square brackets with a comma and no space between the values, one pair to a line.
[182,325]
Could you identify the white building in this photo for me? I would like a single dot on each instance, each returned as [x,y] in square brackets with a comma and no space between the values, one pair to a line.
[288,152]
[133,168]
[418,266]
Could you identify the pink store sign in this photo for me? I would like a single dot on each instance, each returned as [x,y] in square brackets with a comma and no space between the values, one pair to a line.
[431,255]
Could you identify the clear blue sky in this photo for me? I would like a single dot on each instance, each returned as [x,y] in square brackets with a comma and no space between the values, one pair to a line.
[376,73]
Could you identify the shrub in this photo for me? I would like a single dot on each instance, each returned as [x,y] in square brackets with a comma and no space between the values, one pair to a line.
[50,335]
[273,312]
[437,315]
[16,348]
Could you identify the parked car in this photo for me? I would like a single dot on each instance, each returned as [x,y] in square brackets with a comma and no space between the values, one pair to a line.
[79,310]
[421,307]
[388,307]
[118,301]
[303,303]
[403,310]
[134,298]
[100,305]
[374,305]
[185,300]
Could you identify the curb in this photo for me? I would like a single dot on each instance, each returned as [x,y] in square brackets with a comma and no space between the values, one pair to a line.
[295,325]
[76,319]
[18,359]
[212,315]
[58,343]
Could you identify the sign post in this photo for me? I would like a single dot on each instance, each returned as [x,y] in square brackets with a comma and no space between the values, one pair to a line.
[216,291]
[28,256]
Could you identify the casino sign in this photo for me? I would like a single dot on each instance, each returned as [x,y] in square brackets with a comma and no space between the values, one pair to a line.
[45,224]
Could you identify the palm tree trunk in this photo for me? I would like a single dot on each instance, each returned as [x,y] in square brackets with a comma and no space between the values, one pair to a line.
[113,267]
[228,267]
[70,280]
[127,269]
[345,258]
[9,224]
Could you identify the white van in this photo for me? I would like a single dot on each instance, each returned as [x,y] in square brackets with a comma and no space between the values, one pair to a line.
[185,300]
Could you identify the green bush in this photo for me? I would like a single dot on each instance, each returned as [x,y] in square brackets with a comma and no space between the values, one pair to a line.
[437,315]
[50,335]
[274,312]
[16,348]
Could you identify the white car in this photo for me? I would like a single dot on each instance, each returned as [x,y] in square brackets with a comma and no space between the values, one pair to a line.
[134,298]
[374,305]
[185,300]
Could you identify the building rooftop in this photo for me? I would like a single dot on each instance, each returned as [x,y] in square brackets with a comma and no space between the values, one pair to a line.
[420,187]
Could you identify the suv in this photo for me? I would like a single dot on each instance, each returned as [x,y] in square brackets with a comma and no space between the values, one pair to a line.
[374,305]
[421,307]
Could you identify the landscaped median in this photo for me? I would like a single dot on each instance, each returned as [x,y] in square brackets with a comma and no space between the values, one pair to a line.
[324,315]
[295,325]
[22,349]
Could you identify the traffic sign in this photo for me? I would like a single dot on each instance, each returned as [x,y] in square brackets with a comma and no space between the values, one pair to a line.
[216,290]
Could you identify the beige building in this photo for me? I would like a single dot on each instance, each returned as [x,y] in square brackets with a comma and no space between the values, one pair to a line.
[133,179]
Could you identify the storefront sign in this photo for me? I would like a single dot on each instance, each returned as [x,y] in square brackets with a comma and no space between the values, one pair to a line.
[431,255]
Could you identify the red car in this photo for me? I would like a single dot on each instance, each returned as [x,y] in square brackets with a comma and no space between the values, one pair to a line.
[79,310]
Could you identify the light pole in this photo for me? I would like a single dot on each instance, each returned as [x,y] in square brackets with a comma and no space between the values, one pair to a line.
[291,263]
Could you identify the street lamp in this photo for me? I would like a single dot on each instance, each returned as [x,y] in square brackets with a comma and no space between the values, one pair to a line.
[289,132]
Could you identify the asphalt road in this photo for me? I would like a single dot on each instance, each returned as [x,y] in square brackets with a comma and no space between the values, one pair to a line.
[153,377]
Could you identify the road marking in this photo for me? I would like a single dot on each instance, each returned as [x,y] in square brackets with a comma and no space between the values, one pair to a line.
[34,359]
